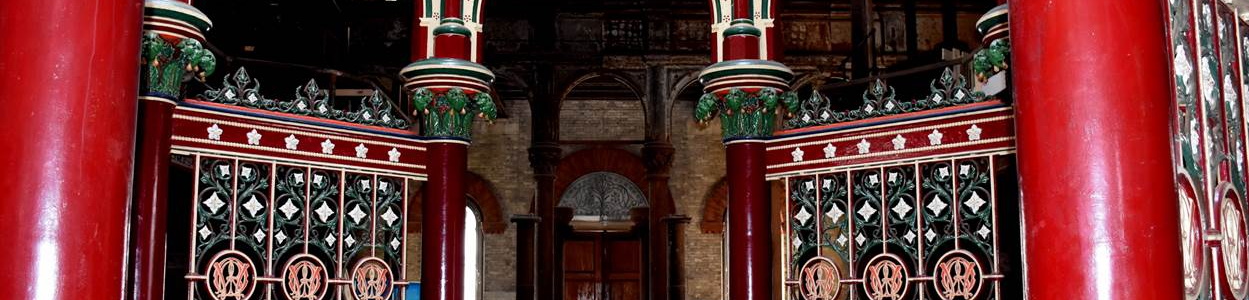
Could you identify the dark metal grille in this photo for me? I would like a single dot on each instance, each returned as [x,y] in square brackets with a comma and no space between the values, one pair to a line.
[269,230]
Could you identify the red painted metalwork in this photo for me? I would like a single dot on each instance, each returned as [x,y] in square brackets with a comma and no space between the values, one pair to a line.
[741,9]
[980,127]
[201,125]
[442,238]
[750,240]
[450,45]
[451,8]
[1094,160]
[741,46]
[69,119]
[151,186]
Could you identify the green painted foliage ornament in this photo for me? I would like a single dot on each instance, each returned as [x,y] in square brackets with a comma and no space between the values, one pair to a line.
[450,114]
[992,59]
[166,66]
[742,114]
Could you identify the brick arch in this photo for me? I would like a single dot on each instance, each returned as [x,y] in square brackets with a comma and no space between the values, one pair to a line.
[592,160]
[481,191]
[714,206]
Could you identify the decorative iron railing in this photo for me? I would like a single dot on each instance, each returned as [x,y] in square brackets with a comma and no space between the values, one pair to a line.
[241,89]
[269,230]
[895,231]
[294,199]
[899,199]
[1208,44]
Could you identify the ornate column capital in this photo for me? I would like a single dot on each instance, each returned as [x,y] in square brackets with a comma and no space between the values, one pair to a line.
[172,49]
[449,93]
[745,94]
[995,57]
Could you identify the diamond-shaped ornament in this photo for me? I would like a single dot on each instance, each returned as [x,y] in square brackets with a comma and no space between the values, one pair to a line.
[930,235]
[357,214]
[350,240]
[280,236]
[860,239]
[902,209]
[910,236]
[214,203]
[975,202]
[797,242]
[324,212]
[867,211]
[389,216]
[936,205]
[983,232]
[288,209]
[253,206]
[394,243]
[330,239]
[204,232]
[835,213]
[259,235]
[841,239]
[802,216]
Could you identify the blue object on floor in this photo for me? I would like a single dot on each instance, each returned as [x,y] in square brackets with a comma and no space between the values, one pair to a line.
[414,291]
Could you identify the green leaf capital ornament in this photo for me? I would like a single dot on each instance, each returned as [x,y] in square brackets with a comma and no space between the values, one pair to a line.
[451,113]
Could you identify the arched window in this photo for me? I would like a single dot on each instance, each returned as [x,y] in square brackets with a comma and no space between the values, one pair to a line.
[472,252]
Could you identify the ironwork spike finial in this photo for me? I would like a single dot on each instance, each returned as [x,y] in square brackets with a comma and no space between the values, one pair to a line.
[239,88]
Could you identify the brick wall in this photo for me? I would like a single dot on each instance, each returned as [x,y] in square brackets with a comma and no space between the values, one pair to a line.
[602,120]
[697,165]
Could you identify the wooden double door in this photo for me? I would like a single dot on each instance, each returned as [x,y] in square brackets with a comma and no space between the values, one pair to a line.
[603,266]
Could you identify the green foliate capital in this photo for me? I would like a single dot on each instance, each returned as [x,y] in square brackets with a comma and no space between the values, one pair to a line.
[166,65]
[742,114]
[450,113]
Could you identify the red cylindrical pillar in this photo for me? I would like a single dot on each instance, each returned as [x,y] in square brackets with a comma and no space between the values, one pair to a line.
[750,248]
[1095,169]
[68,119]
[442,221]
[150,187]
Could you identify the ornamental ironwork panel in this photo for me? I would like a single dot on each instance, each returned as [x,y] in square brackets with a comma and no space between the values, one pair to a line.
[909,230]
[275,230]
[605,195]
[1207,46]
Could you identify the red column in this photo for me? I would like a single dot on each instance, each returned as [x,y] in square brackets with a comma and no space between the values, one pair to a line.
[1091,82]
[150,187]
[442,222]
[750,248]
[68,119]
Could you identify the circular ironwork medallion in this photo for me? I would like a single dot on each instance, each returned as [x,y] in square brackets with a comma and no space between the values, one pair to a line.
[885,278]
[819,279]
[370,279]
[304,278]
[231,276]
[1232,221]
[1192,240]
[958,276]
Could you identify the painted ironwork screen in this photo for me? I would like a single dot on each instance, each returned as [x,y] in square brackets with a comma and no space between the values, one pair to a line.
[1208,43]
[921,230]
[266,230]
[899,199]
[294,199]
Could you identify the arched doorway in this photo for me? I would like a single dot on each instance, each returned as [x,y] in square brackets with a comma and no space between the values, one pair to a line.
[603,237]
